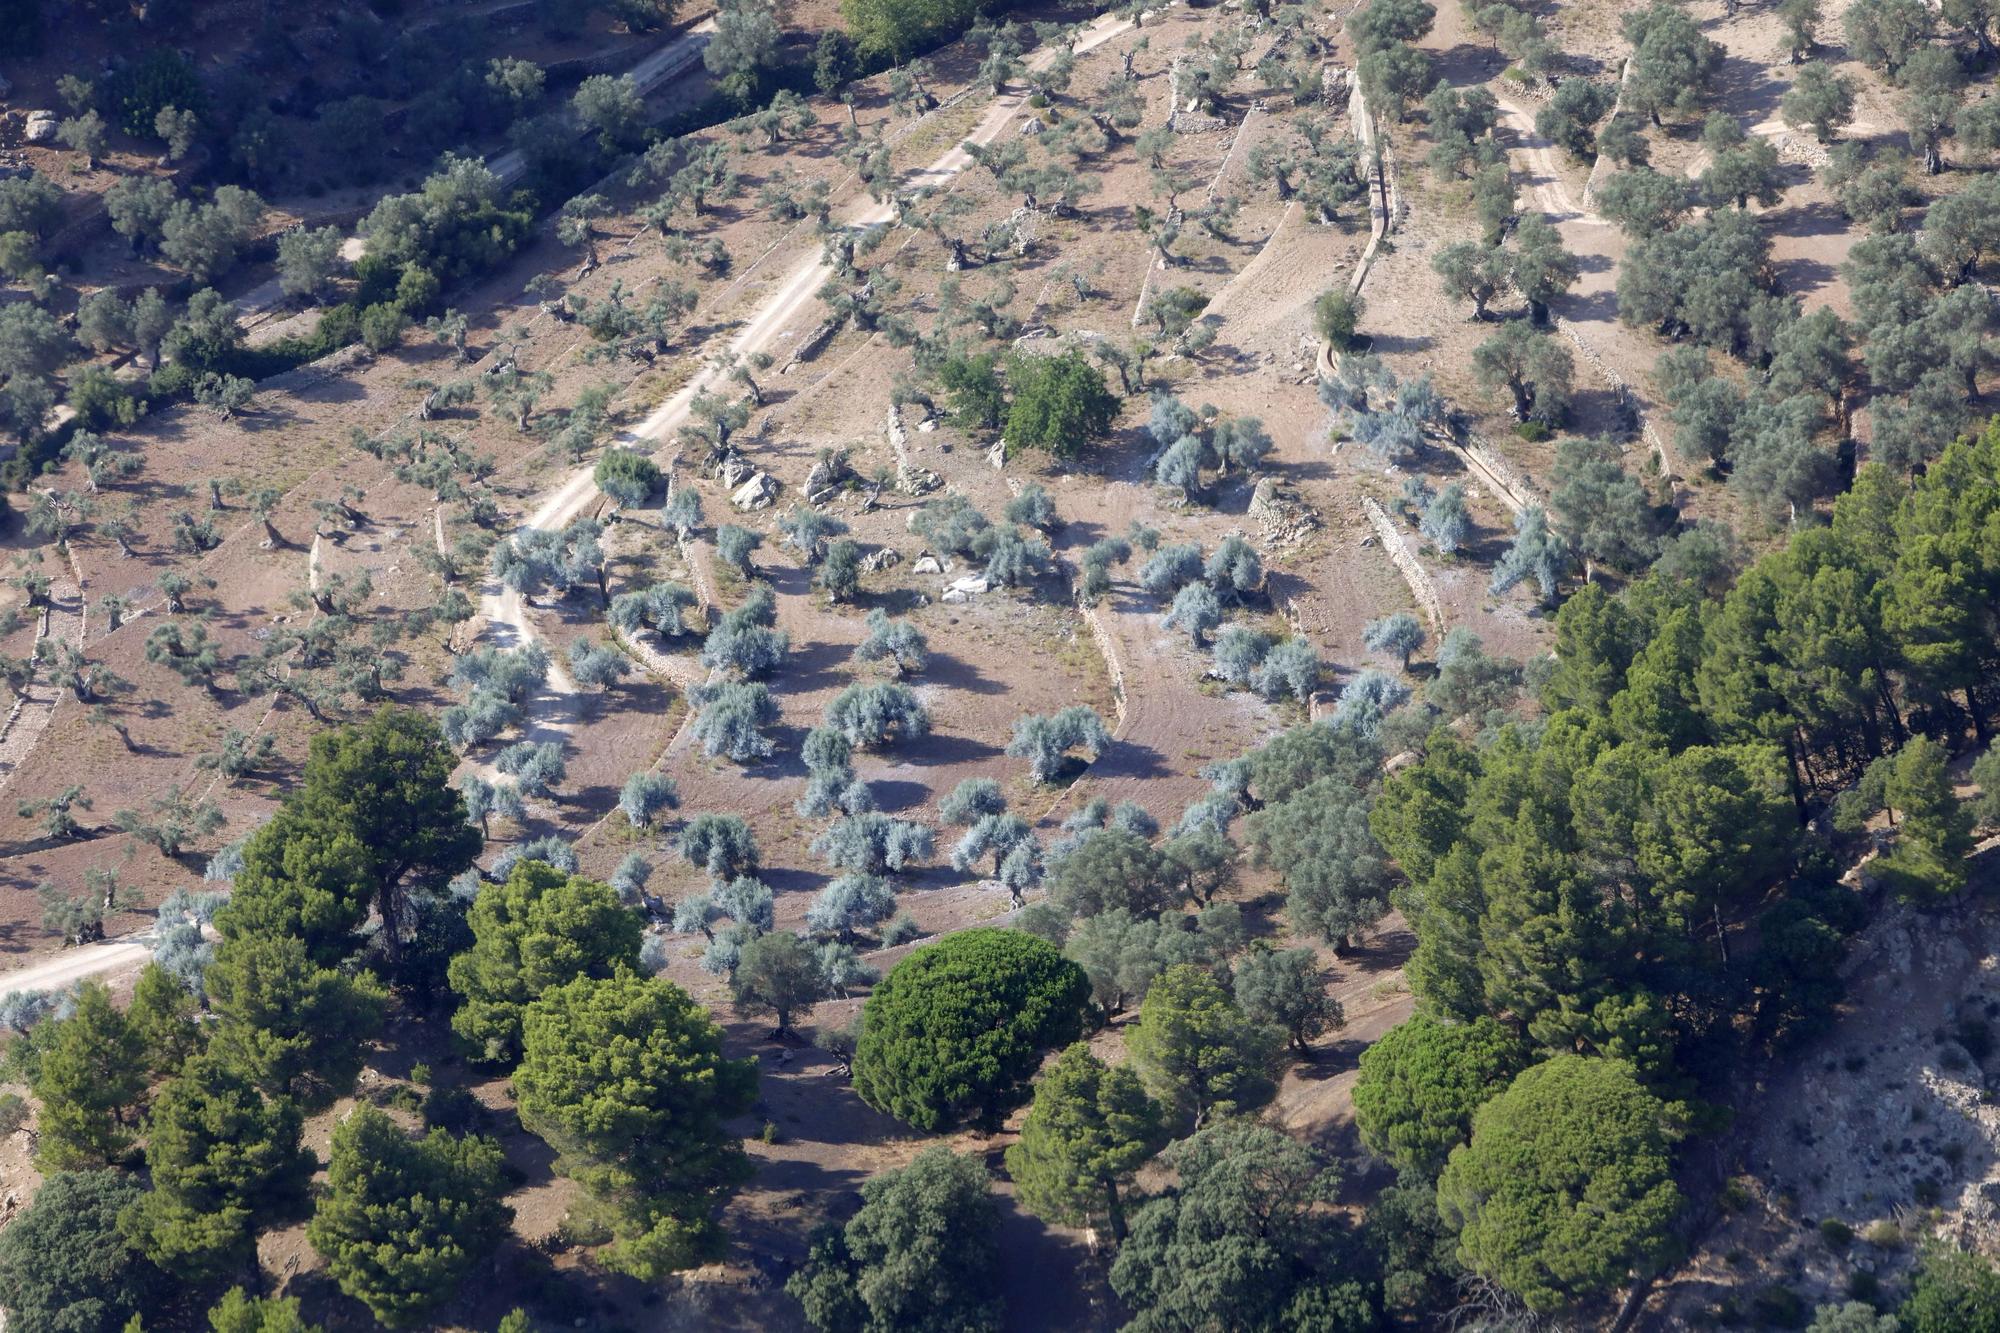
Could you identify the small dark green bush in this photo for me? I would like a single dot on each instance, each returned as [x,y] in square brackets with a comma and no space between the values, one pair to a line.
[1780,1307]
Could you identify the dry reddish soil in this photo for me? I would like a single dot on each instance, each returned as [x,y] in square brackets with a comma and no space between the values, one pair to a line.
[994,658]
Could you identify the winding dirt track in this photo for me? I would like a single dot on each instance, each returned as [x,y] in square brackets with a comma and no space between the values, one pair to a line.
[1544,181]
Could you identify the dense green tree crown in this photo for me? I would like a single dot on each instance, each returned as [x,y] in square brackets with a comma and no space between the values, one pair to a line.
[920,1256]
[1954,1292]
[958,1028]
[1577,877]
[899,29]
[64,1268]
[90,1074]
[1241,1241]
[1090,1127]
[222,1157]
[625,1078]
[1566,1186]
[403,1220]
[300,877]
[388,780]
[1059,403]
[1199,1053]
[1421,1083]
[1572,879]
[166,1016]
[536,930]
[374,820]
[296,1029]
[240,1312]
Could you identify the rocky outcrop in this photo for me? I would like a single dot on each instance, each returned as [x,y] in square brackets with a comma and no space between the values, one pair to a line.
[757,493]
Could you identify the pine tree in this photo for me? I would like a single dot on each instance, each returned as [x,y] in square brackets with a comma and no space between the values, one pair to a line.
[1934,829]
[90,1078]
[304,878]
[536,930]
[1566,1185]
[166,1017]
[957,1029]
[296,1029]
[1089,1129]
[221,1156]
[387,783]
[625,1078]
[1422,1081]
[404,1220]
[240,1312]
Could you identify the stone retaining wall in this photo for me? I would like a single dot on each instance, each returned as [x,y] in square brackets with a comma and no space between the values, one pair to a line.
[1406,564]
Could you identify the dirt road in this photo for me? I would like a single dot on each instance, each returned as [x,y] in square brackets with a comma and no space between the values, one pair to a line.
[124,954]
[1544,181]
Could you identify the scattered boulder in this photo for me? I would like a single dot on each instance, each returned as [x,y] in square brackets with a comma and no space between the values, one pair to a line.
[735,471]
[41,127]
[1981,1204]
[965,589]
[878,560]
[826,476]
[756,493]
[927,564]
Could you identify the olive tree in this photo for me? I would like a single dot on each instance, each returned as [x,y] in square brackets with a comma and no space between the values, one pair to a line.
[1045,741]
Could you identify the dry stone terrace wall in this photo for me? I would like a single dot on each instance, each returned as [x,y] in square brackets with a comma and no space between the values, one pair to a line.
[1406,564]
